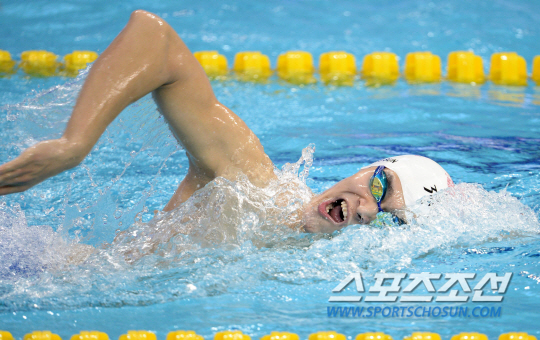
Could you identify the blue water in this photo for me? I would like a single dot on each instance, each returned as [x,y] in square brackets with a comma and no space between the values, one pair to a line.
[231,263]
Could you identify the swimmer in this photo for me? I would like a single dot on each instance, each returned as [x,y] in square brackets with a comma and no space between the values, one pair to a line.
[148,56]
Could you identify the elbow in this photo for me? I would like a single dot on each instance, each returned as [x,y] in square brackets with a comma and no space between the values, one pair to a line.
[141,14]
[153,36]
[150,29]
[147,20]
[158,41]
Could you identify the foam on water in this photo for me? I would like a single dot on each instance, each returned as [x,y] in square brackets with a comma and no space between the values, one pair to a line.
[226,212]
[26,250]
[230,233]
[230,236]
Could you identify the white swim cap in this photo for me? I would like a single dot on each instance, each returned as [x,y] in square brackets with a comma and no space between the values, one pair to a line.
[419,176]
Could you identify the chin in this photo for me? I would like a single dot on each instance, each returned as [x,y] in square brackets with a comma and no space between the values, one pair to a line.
[319,229]
[310,219]
[310,226]
[308,229]
[315,225]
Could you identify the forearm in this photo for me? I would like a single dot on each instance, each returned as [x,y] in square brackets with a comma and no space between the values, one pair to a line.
[135,64]
[148,56]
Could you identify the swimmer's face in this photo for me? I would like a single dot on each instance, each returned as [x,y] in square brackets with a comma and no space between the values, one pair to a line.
[350,202]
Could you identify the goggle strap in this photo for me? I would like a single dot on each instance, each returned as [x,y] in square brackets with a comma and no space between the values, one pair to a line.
[379,169]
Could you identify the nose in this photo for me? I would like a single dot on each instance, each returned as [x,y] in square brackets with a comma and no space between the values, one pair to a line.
[360,215]
[366,213]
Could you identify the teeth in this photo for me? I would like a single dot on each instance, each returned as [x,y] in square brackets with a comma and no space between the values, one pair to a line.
[344,208]
[328,208]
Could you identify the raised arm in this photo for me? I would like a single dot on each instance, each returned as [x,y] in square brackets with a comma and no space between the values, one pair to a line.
[148,56]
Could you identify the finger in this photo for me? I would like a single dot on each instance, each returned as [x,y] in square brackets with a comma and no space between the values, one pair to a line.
[11,165]
[6,170]
[15,177]
[13,189]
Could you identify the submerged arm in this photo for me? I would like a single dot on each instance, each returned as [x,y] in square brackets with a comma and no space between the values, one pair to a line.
[148,56]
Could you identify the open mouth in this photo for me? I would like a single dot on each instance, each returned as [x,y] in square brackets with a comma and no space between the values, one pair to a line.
[335,210]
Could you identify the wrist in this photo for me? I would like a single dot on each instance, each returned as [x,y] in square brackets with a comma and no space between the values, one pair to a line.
[73,152]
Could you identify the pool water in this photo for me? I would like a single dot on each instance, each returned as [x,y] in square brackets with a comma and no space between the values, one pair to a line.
[225,259]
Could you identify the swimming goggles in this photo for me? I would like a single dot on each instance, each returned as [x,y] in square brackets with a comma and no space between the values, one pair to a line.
[378,185]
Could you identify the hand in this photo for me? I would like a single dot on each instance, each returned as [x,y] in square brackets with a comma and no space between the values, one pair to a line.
[38,163]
